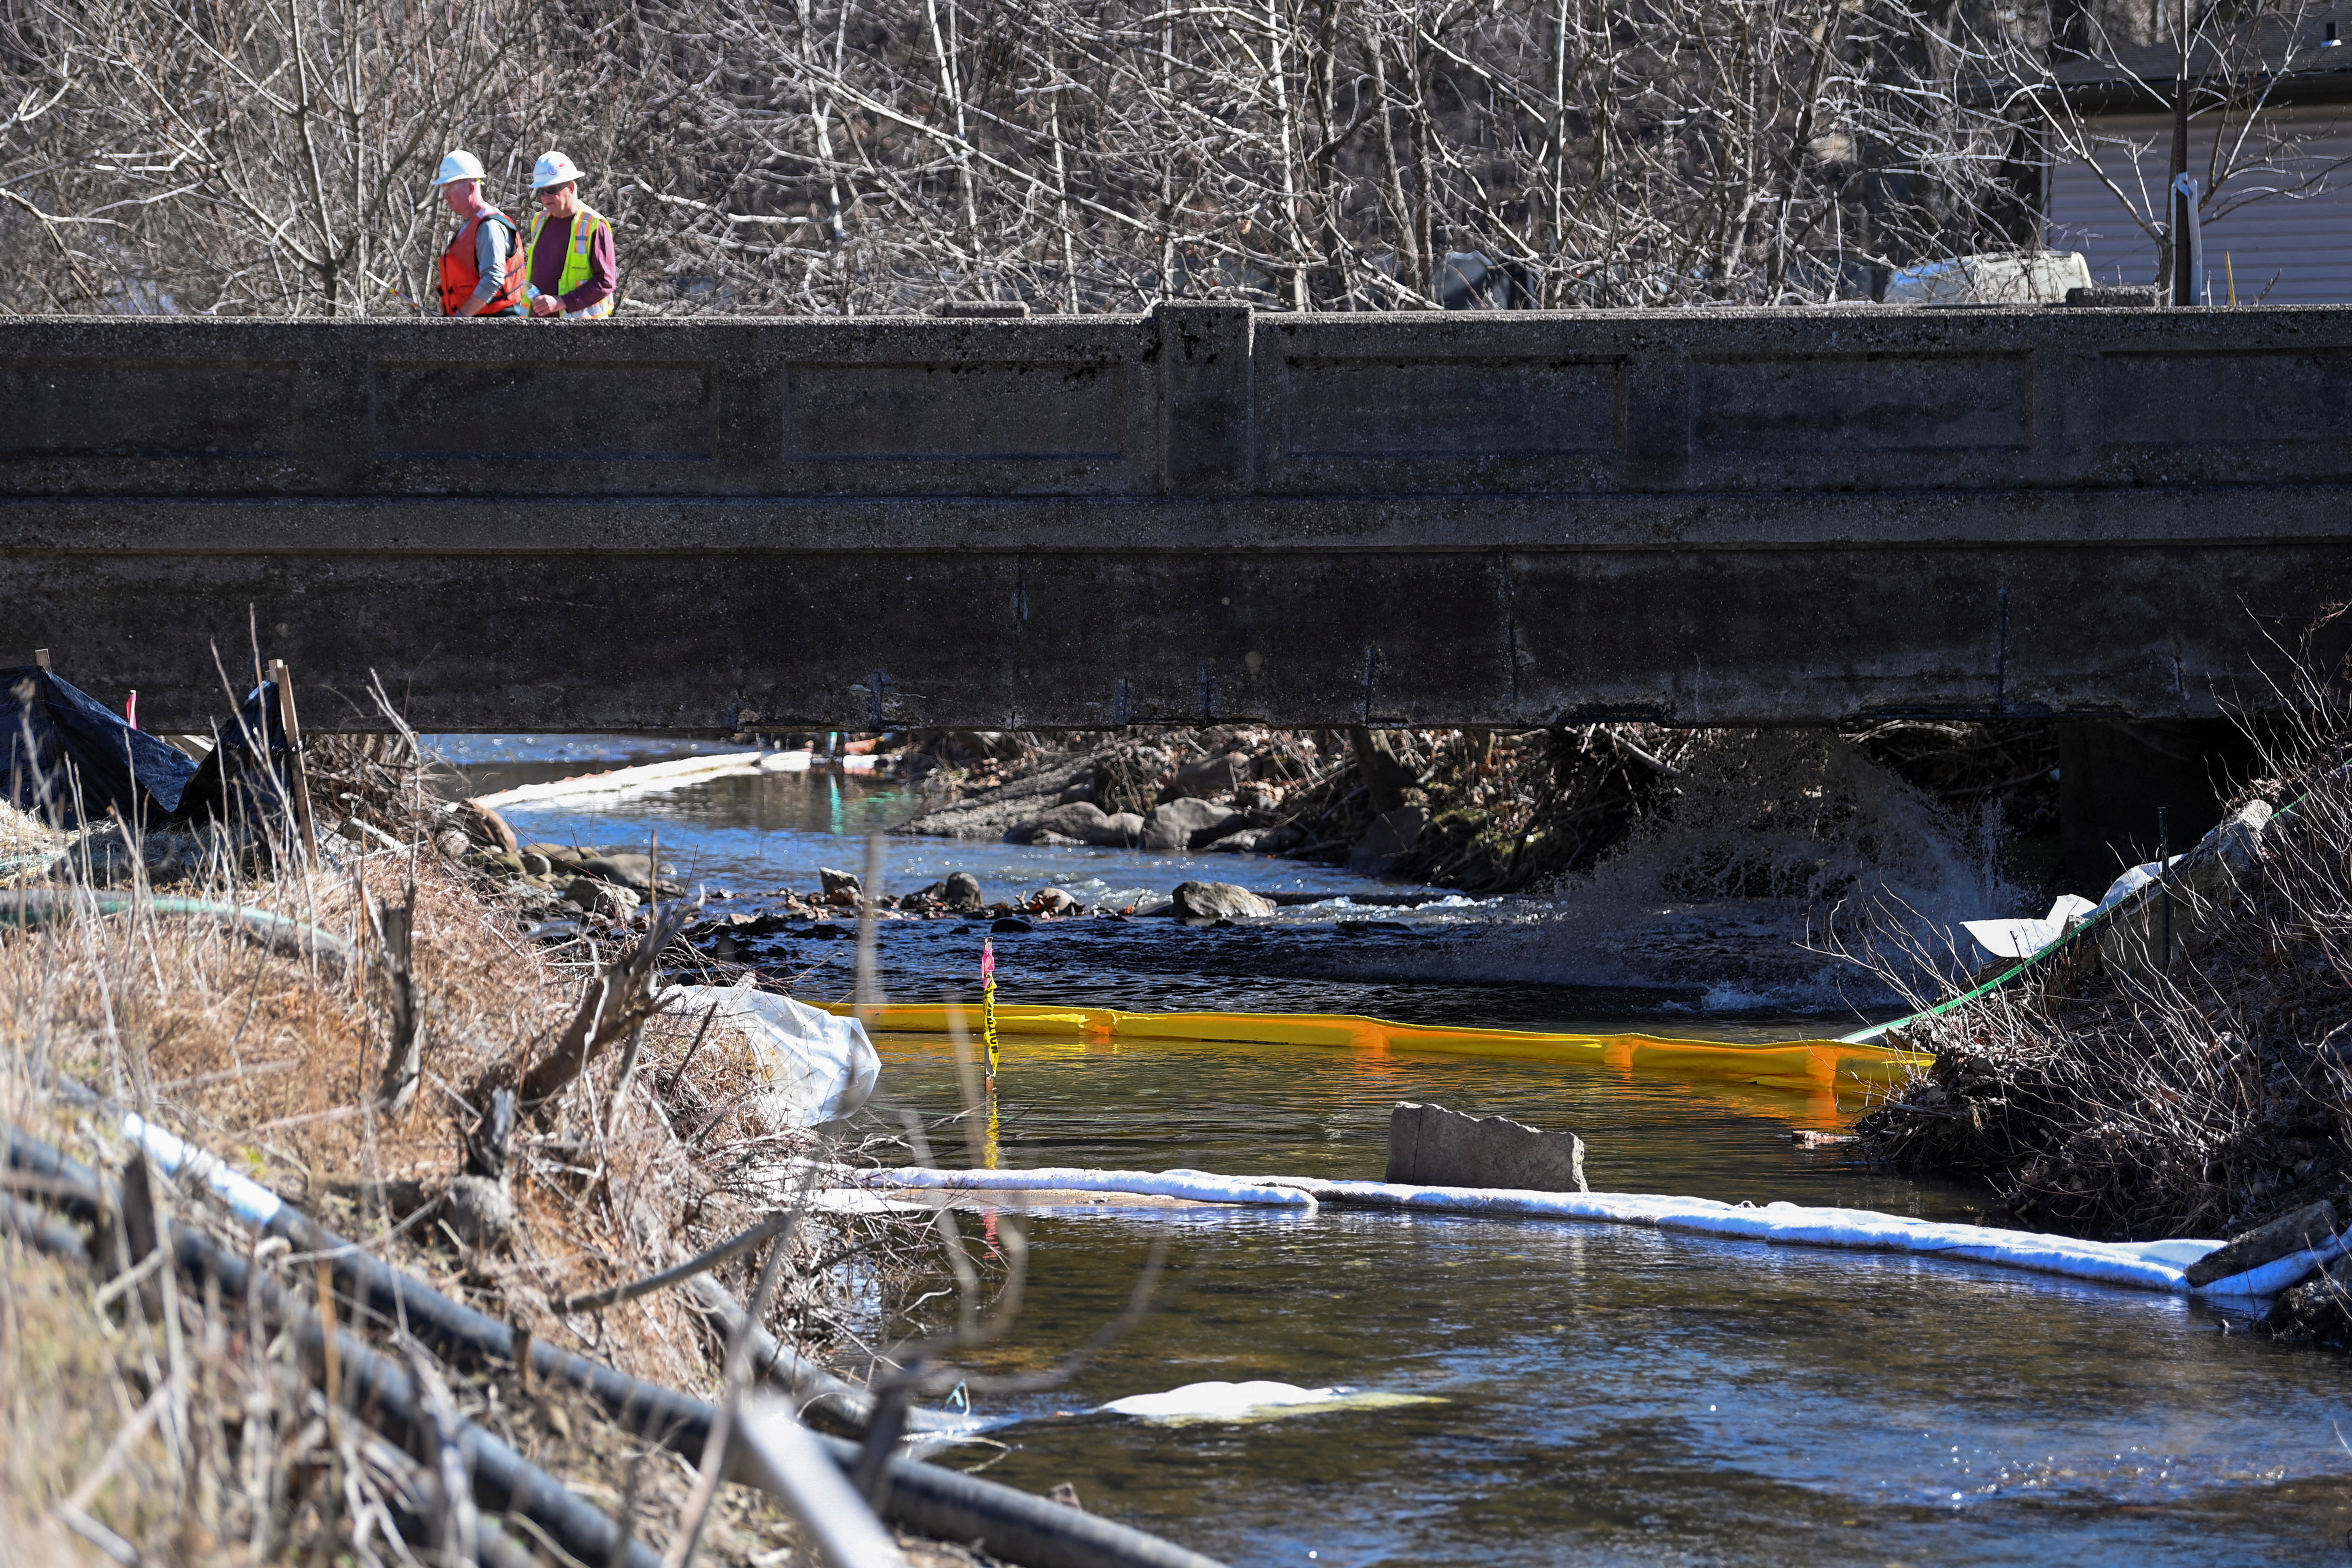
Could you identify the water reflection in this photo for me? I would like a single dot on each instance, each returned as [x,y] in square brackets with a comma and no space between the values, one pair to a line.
[1613,1395]
[1610,1395]
[1306,1111]
[1617,1396]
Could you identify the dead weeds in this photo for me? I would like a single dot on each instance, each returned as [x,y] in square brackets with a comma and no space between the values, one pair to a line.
[275,1062]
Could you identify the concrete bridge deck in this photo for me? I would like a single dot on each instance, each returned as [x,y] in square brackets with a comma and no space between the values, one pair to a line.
[1196,515]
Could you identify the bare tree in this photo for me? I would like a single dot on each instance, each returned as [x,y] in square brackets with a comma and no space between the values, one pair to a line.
[852,156]
[2077,76]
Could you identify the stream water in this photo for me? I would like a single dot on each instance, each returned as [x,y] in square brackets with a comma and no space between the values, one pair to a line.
[1531,1393]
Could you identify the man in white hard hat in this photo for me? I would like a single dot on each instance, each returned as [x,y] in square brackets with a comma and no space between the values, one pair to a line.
[573,273]
[481,271]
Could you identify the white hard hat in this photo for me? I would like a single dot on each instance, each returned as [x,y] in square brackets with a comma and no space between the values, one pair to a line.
[553,169]
[459,165]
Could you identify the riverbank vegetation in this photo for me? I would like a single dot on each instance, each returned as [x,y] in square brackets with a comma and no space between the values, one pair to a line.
[876,156]
[2186,1067]
[350,1062]
[1482,811]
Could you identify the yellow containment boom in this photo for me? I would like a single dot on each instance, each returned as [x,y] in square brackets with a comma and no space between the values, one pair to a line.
[1812,1065]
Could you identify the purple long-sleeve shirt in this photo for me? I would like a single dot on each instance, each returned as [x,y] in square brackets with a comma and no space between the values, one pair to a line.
[547,264]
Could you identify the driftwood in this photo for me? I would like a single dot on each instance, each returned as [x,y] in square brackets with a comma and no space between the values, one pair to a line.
[404,1063]
[618,1003]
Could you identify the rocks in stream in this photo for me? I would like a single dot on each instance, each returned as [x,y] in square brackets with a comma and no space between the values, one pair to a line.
[839,881]
[635,872]
[1074,823]
[994,813]
[1190,823]
[1134,794]
[1218,901]
[1120,831]
[961,892]
[1430,1146]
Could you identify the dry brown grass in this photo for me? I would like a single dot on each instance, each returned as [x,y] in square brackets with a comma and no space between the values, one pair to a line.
[26,845]
[274,1061]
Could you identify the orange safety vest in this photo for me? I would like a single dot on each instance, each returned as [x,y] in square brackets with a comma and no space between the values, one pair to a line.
[461,274]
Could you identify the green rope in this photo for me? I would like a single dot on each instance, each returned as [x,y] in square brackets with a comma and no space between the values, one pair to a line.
[2130,899]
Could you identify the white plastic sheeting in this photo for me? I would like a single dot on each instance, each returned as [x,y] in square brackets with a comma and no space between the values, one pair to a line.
[2140,1264]
[622,784]
[816,1067]
[2023,938]
[2138,876]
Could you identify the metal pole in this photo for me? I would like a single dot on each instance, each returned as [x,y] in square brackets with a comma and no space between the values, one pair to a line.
[2163,877]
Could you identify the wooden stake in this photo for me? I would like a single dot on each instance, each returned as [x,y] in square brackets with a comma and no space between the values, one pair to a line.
[299,779]
[41,657]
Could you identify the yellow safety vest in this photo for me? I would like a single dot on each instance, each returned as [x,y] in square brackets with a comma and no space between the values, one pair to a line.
[575,259]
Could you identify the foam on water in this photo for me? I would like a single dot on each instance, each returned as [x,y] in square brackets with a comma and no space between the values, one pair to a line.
[1255,1400]
[1782,853]
[1786,867]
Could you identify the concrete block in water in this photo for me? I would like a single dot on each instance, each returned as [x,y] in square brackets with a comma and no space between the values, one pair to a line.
[2309,1226]
[1430,1146]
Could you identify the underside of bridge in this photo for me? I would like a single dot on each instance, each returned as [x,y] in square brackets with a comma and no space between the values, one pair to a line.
[1195,516]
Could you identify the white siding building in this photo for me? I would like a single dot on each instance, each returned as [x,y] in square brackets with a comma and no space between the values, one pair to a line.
[2290,247]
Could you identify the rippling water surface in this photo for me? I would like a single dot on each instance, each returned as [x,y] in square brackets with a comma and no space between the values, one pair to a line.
[1610,1395]
[1594,1395]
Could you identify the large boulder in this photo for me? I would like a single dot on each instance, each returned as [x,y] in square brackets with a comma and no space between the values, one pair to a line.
[1072,823]
[1218,901]
[1430,1146]
[990,813]
[961,891]
[1211,778]
[632,871]
[1122,831]
[1189,824]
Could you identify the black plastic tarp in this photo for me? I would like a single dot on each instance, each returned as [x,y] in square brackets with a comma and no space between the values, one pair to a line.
[244,781]
[68,759]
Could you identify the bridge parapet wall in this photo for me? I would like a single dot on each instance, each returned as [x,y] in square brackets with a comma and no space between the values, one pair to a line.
[1191,401]
[1717,517]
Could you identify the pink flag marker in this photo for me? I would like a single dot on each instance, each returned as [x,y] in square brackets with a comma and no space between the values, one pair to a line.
[130,710]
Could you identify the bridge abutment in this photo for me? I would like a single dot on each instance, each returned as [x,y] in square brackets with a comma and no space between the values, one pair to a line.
[2115,775]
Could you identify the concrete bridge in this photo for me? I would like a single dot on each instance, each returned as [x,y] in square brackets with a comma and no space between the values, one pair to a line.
[1194,515]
